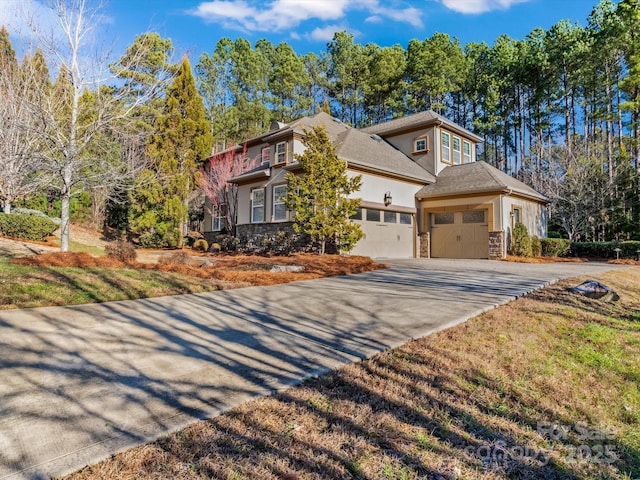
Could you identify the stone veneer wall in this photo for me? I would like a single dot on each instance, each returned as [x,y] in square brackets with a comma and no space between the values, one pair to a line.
[268,238]
[425,245]
[496,245]
[259,229]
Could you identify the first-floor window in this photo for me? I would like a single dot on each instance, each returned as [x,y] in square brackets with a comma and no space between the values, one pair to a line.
[257,205]
[279,208]
[357,215]
[517,216]
[217,220]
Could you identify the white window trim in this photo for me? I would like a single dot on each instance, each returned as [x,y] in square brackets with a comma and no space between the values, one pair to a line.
[253,205]
[262,155]
[458,151]
[424,139]
[449,159]
[274,203]
[466,158]
[217,222]
[278,154]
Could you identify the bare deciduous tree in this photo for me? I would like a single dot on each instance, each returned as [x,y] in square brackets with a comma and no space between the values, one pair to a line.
[90,108]
[222,195]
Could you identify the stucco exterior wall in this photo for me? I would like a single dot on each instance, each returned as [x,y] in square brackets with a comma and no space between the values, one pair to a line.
[534,216]
[404,143]
[375,186]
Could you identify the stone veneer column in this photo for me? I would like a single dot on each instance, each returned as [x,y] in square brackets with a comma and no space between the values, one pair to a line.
[425,245]
[496,245]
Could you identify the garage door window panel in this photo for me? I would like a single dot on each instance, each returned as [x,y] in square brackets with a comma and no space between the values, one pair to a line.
[444,218]
[473,216]
[373,215]
[406,219]
[390,217]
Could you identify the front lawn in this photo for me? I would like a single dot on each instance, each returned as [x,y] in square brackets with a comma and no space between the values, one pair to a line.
[73,278]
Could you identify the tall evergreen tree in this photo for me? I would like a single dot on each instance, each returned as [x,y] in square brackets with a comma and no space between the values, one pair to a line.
[319,198]
[182,139]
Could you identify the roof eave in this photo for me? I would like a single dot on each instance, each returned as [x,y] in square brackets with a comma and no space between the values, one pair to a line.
[247,177]
[401,176]
[488,191]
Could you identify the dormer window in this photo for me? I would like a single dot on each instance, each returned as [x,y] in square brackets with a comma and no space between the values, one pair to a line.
[281,152]
[457,157]
[466,152]
[420,145]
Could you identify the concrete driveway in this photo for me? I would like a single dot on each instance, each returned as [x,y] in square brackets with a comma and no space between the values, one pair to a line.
[80,383]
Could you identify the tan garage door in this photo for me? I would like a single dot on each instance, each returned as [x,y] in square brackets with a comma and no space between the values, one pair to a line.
[386,234]
[462,234]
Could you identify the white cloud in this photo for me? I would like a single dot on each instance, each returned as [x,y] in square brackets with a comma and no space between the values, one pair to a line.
[374,19]
[279,15]
[325,34]
[479,6]
[23,17]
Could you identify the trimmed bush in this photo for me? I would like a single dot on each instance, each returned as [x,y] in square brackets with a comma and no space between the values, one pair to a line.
[27,227]
[536,246]
[520,241]
[201,245]
[121,250]
[593,249]
[555,247]
[629,249]
[605,249]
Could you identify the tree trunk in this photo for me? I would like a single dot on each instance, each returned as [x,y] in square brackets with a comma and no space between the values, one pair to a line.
[7,207]
[64,226]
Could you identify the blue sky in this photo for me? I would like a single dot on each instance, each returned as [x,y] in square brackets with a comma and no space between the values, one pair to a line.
[196,25]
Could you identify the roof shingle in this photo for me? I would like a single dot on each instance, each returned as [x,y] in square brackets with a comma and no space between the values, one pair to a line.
[475,177]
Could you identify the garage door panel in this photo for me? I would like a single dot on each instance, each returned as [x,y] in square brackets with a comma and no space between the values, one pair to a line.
[386,239]
[462,234]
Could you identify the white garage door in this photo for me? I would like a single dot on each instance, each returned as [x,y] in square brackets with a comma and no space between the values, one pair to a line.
[462,234]
[386,234]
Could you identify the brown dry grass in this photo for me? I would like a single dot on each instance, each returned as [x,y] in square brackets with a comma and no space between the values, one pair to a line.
[243,269]
[434,407]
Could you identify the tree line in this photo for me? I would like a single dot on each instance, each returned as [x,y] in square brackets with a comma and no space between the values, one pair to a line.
[559,109]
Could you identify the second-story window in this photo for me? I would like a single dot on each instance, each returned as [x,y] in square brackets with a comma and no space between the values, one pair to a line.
[420,145]
[446,147]
[281,152]
[457,151]
[264,155]
[466,152]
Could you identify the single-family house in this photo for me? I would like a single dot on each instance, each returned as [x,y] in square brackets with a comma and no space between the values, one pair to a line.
[423,194]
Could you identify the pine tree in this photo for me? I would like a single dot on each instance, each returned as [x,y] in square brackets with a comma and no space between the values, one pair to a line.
[181,141]
[319,198]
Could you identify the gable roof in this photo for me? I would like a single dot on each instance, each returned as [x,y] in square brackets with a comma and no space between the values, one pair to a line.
[476,177]
[364,150]
[419,120]
[357,148]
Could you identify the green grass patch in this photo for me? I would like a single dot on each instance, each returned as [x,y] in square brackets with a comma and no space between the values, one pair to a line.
[26,286]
